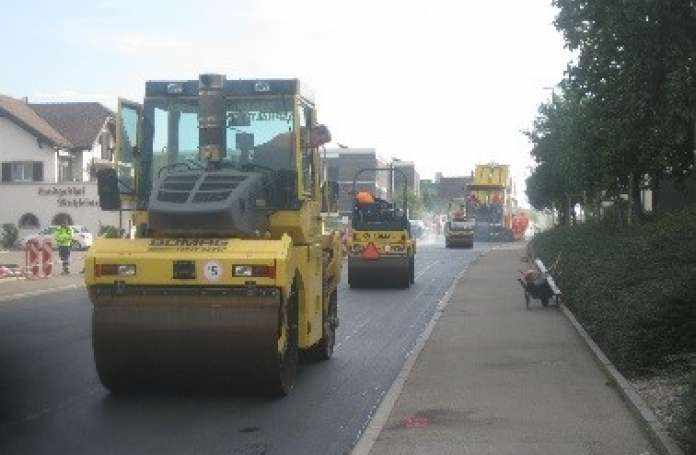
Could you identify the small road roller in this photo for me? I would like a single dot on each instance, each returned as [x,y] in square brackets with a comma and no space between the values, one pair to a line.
[381,251]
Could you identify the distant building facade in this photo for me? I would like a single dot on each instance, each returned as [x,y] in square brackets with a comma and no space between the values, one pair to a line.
[48,153]
[342,164]
[452,187]
[412,177]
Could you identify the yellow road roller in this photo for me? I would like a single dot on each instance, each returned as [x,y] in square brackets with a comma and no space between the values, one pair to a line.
[380,249]
[226,274]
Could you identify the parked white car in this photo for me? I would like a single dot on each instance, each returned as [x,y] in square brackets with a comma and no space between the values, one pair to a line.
[82,238]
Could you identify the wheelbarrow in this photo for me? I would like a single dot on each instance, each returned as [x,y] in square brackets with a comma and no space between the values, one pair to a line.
[539,285]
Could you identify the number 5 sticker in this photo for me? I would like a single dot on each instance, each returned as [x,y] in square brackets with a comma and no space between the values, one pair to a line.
[212,271]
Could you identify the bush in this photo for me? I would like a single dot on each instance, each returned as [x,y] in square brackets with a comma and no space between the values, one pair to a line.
[10,234]
[110,232]
[631,287]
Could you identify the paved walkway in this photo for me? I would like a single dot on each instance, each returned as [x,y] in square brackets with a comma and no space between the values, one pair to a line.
[497,379]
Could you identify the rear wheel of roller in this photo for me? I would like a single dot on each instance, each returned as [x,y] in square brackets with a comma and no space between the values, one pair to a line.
[324,349]
[286,367]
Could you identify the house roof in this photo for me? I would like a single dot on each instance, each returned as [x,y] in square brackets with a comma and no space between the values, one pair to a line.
[23,115]
[80,122]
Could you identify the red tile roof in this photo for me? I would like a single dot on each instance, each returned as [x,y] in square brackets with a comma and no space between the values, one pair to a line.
[80,123]
[23,115]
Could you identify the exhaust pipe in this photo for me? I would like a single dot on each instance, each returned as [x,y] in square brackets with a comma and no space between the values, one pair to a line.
[211,119]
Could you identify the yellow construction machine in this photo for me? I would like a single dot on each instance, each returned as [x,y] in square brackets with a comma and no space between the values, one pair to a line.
[381,252]
[459,228]
[491,202]
[227,275]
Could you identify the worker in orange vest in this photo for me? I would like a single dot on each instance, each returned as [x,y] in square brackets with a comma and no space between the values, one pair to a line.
[364,198]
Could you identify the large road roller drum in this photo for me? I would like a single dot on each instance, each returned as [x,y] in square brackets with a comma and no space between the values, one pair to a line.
[155,337]
[395,272]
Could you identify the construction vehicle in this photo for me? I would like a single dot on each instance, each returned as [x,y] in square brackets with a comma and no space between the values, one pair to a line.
[459,227]
[227,276]
[490,203]
[381,251]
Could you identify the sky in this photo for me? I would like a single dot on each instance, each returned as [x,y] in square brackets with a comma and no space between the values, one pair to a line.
[445,83]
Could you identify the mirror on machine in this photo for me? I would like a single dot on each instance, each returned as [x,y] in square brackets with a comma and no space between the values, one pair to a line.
[108,188]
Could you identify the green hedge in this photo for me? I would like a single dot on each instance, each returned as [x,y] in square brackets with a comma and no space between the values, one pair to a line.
[632,288]
[9,235]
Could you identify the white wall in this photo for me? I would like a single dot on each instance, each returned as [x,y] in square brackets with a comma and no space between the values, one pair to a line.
[16,144]
[94,154]
[45,201]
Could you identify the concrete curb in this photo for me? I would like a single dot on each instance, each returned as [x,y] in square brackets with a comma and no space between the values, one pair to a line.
[381,416]
[657,434]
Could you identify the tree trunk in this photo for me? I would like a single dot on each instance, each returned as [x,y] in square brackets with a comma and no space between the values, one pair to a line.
[637,204]
[655,188]
[563,212]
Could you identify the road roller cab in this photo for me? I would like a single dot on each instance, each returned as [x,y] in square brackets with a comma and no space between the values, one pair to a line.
[380,248]
[459,228]
[226,275]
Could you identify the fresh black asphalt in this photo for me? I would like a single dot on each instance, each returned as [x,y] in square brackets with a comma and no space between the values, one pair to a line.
[51,400]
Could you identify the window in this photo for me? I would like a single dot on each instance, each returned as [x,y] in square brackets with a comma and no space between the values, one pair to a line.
[22,171]
[28,221]
[66,169]
[62,218]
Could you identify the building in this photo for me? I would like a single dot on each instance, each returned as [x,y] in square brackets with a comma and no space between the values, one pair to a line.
[412,177]
[452,187]
[342,165]
[47,155]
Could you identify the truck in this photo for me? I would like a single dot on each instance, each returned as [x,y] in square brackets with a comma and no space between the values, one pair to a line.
[381,249]
[491,202]
[227,276]
[459,227]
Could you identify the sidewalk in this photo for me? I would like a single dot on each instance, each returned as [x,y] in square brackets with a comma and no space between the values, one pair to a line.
[497,379]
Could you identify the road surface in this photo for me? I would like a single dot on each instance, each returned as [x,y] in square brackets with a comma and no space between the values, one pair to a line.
[51,400]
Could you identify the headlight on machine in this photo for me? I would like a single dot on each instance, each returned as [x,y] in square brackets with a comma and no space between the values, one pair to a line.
[262,271]
[114,270]
[396,248]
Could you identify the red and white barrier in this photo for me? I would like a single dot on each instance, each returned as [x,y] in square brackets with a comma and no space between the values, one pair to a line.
[39,258]
[10,272]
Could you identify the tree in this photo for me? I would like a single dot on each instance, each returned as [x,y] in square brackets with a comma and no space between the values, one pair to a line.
[627,108]
[637,66]
[568,152]
[415,204]
[432,203]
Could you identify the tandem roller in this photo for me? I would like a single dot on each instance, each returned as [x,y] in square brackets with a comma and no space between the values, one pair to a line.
[226,276]
[381,250]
